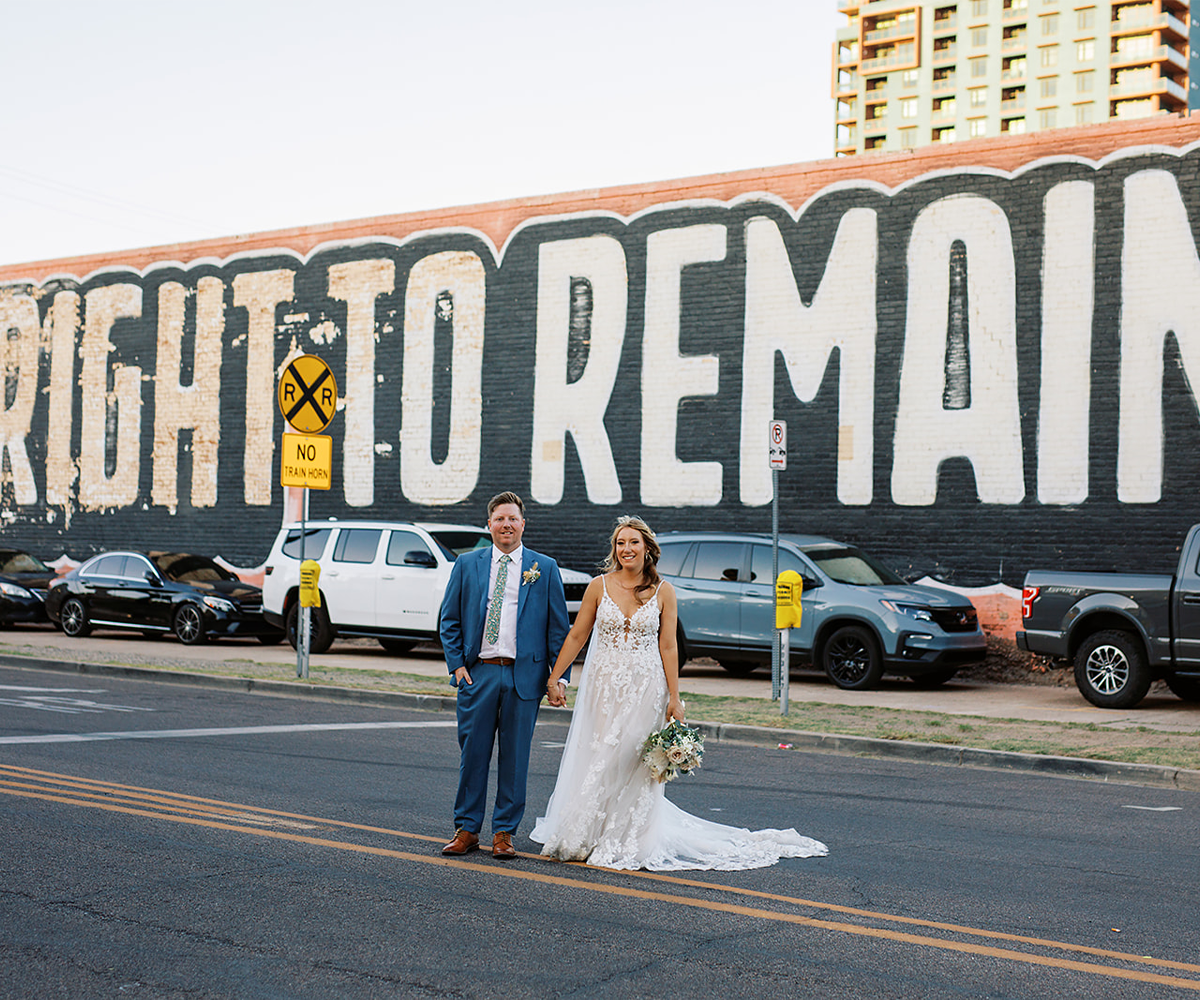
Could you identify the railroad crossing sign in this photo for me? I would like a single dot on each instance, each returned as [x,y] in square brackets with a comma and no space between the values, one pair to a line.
[307,394]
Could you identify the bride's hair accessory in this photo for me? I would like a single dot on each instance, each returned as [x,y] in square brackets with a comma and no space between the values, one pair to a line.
[673,750]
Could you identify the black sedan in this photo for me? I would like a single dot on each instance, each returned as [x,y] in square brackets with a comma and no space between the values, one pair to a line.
[24,580]
[158,592]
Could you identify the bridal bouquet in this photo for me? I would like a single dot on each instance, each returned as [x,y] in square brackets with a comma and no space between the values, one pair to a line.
[673,750]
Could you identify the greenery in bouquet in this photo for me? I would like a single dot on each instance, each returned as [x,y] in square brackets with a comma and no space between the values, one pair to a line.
[673,750]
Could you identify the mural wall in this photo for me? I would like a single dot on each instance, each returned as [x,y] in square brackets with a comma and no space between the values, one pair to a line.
[982,369]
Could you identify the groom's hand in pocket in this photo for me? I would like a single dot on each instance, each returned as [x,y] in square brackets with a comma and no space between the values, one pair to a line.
[462,675]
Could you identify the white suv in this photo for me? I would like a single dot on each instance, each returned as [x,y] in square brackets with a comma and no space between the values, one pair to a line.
[379,579]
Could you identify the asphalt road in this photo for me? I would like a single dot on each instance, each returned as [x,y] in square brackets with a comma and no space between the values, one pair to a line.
[204,843]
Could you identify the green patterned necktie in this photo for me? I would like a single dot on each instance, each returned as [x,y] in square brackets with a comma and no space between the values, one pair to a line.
[491,631]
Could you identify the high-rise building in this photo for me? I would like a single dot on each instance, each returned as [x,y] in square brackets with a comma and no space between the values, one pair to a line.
[907,73]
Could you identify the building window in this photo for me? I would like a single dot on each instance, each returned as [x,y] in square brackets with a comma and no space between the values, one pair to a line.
[1048,56]
[1085,82]
[1083,113]
[1085,51]
[1015,126]
[1016,4]
[979,67]
[1134,109]
[1048,118]
[908,138]
[874,142]
[944,134]
[1050,24]
[1085,19]
[977,127]
[979,8]
[909,78]
[979,36]
[908,107]
[1135,47]
[977,97]
[1048,87]
[945,107]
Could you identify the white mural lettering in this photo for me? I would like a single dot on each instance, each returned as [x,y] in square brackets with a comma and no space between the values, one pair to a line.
[1064,411]
[22,327]
[577,408]
[423,480]
[668,376]
[62,327]
[358,284]
[988,431]
[1159,255]
[841,317]
[259,293]
[103,306]
[195,406]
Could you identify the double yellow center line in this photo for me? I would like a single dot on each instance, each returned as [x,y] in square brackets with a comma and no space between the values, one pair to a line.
[299,828]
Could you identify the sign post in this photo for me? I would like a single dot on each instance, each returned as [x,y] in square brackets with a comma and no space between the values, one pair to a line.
[307,396]
[777,458]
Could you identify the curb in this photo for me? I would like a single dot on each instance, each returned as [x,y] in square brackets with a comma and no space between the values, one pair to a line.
[861,746]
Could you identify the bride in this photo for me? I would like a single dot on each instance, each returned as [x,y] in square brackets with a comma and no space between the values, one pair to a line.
[607,808]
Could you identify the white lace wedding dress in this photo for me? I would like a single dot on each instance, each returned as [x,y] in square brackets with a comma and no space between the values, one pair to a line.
[607,808]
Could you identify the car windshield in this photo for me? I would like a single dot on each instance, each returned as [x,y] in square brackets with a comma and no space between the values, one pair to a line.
[454,543]
[12,561]
[183,568]
[847,565]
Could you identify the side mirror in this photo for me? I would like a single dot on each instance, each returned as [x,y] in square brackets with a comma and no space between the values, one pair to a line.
[152,577]
[419,558]
[810,583]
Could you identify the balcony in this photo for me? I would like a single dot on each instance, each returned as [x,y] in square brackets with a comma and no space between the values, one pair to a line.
[906,30]
[1014,43]
[945,55]
[1017,72]
[1146,88]
[945,24]
[1154,54]
[902,58]
[1129,22]
[1012,105]
[1011,14]
[944,85]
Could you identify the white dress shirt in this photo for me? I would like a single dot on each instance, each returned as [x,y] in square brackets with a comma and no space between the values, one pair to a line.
[506,644]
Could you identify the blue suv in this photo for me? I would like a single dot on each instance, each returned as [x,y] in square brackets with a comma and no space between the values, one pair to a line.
[860,619]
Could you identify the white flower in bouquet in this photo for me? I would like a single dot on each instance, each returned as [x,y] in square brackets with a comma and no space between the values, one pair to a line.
[673,750]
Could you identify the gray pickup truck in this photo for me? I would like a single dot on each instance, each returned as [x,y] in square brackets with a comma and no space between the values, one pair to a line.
[1121,630]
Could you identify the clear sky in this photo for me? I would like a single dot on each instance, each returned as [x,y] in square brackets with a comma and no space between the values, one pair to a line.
[141,122]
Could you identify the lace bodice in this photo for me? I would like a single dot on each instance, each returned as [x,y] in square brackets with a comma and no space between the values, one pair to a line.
[635,636]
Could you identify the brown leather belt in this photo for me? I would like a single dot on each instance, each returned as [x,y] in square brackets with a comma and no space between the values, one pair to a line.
[499,661]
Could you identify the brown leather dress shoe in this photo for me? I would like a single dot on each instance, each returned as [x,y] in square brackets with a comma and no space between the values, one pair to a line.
[502,848]
[463,843]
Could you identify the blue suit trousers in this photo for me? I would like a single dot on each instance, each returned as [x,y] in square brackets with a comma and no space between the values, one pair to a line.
[487,706]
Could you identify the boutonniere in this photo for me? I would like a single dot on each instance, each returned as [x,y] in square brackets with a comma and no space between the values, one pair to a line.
[531,575]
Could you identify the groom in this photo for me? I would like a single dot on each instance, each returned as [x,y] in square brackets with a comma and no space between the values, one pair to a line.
[504,618]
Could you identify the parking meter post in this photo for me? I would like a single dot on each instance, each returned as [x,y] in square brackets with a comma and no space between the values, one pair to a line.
[775,657]
[784,668]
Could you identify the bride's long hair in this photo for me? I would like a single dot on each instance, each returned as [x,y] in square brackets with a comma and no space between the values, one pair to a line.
[650,577]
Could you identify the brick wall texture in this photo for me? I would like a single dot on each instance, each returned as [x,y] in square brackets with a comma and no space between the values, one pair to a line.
[984,354]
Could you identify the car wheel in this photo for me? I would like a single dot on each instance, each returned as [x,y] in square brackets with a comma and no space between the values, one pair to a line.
[73,619]
[1187,688]
[320,632]
[188,625]
[1111,671]
[398,646]
[851,658]
[935,678]
[739,668]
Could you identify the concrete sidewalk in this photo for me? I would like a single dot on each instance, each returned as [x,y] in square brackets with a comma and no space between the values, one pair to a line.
[1040,703]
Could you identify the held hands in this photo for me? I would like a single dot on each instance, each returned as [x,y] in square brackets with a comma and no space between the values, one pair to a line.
[556,693]
[675,708]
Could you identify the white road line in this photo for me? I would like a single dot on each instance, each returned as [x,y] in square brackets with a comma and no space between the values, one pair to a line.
[15,687]
[169,734]
[1156,809]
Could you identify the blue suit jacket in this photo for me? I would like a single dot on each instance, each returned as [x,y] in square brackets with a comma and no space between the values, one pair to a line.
[542,622]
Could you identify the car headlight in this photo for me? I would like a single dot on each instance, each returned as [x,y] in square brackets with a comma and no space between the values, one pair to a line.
[911,610]
[220,604]
[12,590]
